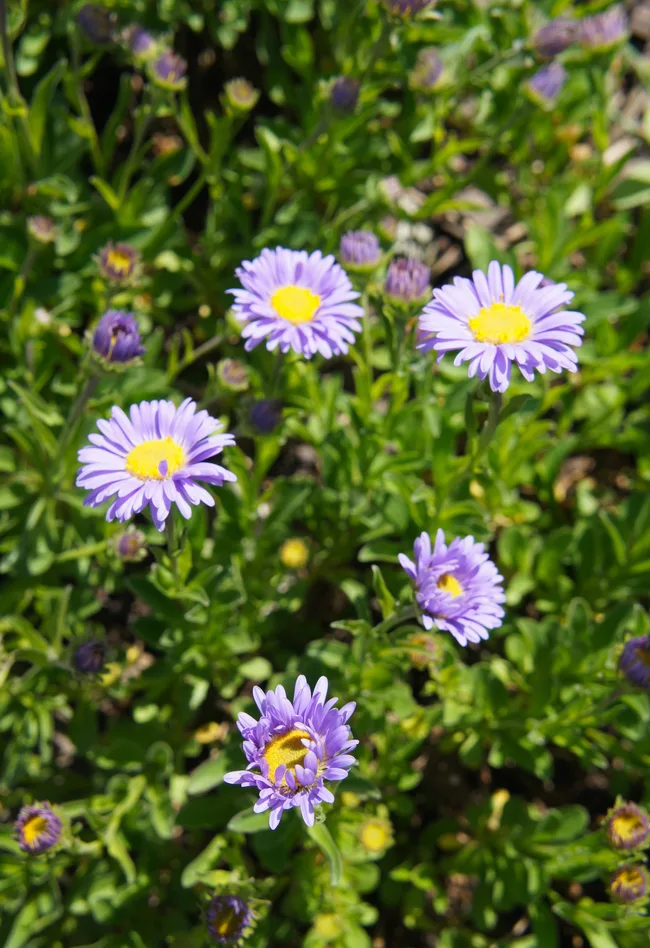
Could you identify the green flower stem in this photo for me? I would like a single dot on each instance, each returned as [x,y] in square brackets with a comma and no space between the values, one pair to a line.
[172,545]
[197,354]
[82,400]
[84,110]
[399,618]
[490,426]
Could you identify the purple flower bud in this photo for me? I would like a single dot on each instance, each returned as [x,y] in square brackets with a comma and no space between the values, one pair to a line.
[604,30]
[233,375]
[345,93]
[556,36]
[168,70]
[89,657]
[140,43]
[41,228]
[38,828]
[117,337]
[428,70]
[118,262]
[407,279]
[627,826]
[635,661]
[228,918]
[629,884]
[265,415]
[131,545]
[241,95]
[360,250]
[545,85]
[96,23]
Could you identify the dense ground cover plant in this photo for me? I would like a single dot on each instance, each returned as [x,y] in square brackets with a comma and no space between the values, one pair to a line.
[325,453]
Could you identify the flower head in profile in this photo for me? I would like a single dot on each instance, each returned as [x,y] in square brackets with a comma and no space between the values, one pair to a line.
[547,83]
[604,30]
[38,828]
[228,917]
[360,250]
[457,587]
[556,36]
[41,228]
[153,457]
[635,661]
[408,279]
[298,301]
[629,884]
[493,322]
[241,95]
[428,70]
[90,656]
[627,826]
[140,43]
[345,93]
[118,262]
[168,70]
[117,337]
[293,748]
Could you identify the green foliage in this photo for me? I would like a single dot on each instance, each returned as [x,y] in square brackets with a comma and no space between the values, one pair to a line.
[484,772]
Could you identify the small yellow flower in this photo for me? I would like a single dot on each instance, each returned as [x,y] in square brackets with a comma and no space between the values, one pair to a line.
[133,653]
[111,675]
[376,835]
[294,553]
[327,925]
[208,733]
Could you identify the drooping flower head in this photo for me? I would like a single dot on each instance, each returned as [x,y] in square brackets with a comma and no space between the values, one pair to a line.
[407,279]
[494,322]
[90,656]
[553,38]
[428,70]
[627,826]
[96,23]
[118,262]
[168,71]
[154,456]
[629,884]
[635,661]
[38,828]
[41,228]
[241,95]
[360,250]
[604,30]
[546,84]
[457,587]
[131,546]
[140,43]
[296,301]
[228,919]
[345,93]
[293,748]
[117,337]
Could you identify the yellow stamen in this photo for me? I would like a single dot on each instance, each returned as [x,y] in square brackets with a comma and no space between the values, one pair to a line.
[632,878]
[120,262]
[296,304]
[228,922]
[145,459]
[500,323]
[626,826]
[34,829]
[450,584]
[286,749]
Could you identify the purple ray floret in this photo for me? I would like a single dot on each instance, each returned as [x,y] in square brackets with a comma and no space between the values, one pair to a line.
[293,748]
[494,322]
[458,587]
[298,301]
[154,456]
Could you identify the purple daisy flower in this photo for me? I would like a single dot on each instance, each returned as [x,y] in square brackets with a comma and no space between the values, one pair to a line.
[241,95]
[604,30]
[627,826]
[407,279]
[296,746]
[360,249]
[41,228]
[553,38]
[345,93]
[629,884]
[296,301]
[140,42]
[118,262]
[168,71]
[228,918]
[635,661]
[546,84]
[153,458]
[458,587]
[90,656]
[38,828]
[117,337]
[495,322]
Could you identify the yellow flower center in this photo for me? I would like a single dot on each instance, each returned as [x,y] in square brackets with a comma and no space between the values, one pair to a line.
[632,878]
[155,460]
[643,654]
[375,836]
[286,749]
[227,923]
[296,304]
[500,323]
[626,826]
[33,829]
[120,262]
[450,584]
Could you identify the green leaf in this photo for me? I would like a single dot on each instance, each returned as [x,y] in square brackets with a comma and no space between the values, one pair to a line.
[323,839]
[249,822]
[106,192]
[207,775]
[39,109]
[384,596]
[203,863]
